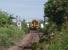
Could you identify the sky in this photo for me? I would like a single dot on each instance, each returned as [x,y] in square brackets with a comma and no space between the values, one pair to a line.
[26,9]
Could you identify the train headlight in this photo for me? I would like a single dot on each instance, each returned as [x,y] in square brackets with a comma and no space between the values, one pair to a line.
[42,26]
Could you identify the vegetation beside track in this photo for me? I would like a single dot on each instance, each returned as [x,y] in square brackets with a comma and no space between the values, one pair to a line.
[9,34]
[57,29]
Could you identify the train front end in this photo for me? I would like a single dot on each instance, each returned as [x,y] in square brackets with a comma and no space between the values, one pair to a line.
[35,25]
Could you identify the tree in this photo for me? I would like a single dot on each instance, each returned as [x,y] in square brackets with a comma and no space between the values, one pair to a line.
[4,18]
[56,10]
[10,19]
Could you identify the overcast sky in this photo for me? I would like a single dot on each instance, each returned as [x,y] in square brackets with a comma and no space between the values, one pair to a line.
[27,9]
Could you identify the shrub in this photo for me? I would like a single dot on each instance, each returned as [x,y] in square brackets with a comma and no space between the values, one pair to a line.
[10,35]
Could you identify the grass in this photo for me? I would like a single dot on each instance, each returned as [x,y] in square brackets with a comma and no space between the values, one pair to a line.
[59,41]
[10,35]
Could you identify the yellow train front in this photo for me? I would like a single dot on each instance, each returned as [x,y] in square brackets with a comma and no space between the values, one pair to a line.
[34,25]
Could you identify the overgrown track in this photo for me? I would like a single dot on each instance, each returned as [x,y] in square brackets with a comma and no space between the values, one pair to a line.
[26,43]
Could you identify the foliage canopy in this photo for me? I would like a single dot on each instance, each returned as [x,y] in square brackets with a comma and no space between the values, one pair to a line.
[5,18]
[56,10]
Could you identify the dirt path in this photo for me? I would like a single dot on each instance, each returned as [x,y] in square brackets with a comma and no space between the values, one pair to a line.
[26,42]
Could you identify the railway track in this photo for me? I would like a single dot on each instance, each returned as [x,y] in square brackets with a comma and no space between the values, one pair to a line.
[27,41]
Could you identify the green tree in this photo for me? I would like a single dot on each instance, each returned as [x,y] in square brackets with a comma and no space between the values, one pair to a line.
[56,10]
[5,18]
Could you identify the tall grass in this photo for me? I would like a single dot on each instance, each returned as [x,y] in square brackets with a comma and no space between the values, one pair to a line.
[10,35]
[58,42]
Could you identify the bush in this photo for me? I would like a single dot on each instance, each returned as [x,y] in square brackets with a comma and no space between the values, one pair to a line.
[10,35]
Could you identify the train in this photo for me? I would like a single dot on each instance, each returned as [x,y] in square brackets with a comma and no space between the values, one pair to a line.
[35,25]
